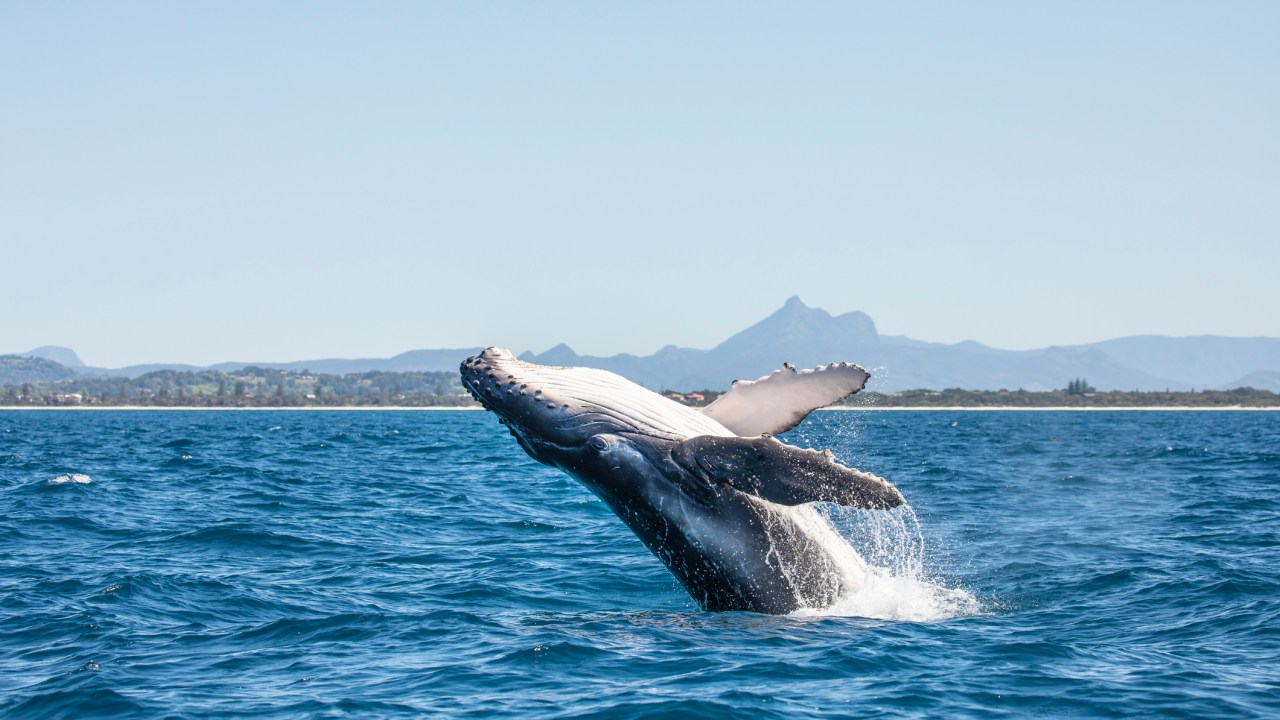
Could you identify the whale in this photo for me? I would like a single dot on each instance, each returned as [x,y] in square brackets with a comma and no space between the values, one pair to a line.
[726,506]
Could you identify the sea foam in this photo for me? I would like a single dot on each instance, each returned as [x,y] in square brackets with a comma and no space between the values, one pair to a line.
[881,555]
[76,478]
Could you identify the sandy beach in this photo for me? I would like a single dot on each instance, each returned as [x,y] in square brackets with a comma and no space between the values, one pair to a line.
[368,408]
[168,407]
[1154,408]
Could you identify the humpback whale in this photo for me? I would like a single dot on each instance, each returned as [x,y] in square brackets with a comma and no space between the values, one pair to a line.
[725,505]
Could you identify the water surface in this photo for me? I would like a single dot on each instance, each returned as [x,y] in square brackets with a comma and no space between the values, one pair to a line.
[399,563]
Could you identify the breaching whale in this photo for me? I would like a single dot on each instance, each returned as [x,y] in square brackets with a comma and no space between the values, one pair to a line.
[711,493]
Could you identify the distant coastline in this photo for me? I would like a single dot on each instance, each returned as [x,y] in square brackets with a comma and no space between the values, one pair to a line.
[256,408]
[1056,408]
[796,333]
[833,408]
[367,396]
[38,382]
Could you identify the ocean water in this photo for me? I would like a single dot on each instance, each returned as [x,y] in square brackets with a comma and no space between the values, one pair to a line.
[284,564]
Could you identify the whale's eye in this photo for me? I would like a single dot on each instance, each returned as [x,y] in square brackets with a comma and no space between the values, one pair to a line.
[602,443]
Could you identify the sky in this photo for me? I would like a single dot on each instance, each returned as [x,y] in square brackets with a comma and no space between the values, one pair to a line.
[202,182]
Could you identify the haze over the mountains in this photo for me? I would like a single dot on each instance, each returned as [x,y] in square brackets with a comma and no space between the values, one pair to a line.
[806,336]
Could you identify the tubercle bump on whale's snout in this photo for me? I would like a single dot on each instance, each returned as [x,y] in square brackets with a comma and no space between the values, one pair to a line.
[472,371]
[490,378]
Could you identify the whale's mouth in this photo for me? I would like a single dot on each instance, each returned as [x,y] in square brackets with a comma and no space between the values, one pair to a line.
[473,386]
[488,382]
[491,378]
[480,376]
[541,424]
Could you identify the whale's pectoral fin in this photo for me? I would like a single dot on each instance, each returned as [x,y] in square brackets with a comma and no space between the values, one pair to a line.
[781,473]
[778,402]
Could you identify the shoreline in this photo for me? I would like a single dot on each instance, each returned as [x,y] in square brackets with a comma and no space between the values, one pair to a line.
[1062,408]
[432,408]
[168,408]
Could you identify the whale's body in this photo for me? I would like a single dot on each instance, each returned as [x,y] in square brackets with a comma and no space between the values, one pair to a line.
[722,503]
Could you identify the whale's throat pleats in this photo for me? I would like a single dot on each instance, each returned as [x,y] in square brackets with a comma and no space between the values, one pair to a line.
[589,391]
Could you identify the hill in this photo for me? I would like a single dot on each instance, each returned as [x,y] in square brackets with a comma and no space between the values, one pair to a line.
[20,370]
[1203,361]
[61,355]
[1260,380]
[807,336]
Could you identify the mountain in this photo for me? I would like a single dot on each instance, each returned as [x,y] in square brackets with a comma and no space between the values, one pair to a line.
[795,333]
[1201,362]
[1259,380]
[134,371]
[65,357]
[412,361]
[806,336]
[19,369]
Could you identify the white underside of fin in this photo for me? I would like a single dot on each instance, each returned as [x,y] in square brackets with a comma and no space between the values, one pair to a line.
[778,402]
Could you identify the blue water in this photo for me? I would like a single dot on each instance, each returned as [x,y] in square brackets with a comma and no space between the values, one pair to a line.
[418,564]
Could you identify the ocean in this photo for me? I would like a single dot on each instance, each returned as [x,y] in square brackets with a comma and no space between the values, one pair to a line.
[295,564]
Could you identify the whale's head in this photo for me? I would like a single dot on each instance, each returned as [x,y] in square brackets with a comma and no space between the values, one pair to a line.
[554,412]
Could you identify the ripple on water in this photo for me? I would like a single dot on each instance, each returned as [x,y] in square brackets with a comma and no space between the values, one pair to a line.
[72,478]
[391,564]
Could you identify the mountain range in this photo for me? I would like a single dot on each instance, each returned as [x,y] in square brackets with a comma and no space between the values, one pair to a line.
[806,336]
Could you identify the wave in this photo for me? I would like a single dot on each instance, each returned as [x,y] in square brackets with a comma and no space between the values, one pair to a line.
[75,478]
[881,555]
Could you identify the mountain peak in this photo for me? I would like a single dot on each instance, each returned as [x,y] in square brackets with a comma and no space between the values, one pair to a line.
[62,355]
[803,335]
[561,354]
[794,310]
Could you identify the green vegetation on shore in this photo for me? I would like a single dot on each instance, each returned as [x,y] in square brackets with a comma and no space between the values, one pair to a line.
[1078,394]
[247,387]
[266,387]
[955,397]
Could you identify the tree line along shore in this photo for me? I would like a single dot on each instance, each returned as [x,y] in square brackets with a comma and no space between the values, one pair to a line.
[247,387]
[266,387]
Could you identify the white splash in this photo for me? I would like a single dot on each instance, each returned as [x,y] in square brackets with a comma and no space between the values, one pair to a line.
[881,556]
[76,478]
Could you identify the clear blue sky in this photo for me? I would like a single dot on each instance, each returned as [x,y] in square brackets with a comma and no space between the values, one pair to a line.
[197,182]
